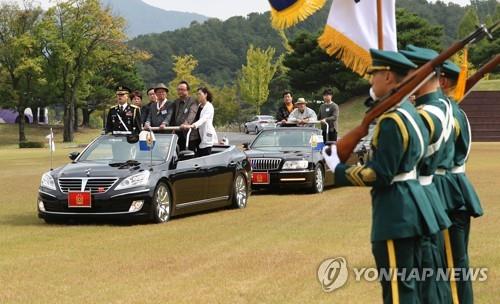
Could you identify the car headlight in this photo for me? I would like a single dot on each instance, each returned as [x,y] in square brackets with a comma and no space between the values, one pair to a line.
[295,164]
[136,180]
[48,181]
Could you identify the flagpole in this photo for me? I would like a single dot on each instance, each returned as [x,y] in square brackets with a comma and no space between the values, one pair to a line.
[380,27]
[51,148]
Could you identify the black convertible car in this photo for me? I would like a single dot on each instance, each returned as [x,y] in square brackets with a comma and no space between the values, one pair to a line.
[289,157]
[112,177]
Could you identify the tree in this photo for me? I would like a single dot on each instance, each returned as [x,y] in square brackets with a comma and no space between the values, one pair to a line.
[75,35]
[20,62]
[117,69]
[226,105]
[311,69]
[183,69]
[485,49]
[256,75]
[413,29]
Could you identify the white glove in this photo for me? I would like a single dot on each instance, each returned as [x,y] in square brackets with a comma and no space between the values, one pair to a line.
[331,160]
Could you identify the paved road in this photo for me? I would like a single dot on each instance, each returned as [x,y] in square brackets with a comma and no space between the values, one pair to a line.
[236,138]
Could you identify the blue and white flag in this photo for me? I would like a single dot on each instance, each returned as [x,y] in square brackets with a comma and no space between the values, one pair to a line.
[286,13]
[316,142]
[147,140]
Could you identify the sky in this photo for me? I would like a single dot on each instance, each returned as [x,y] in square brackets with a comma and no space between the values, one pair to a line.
[221,9]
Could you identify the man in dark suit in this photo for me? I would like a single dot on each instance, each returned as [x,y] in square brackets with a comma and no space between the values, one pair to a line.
[123,117]
[160,112]
[183,106]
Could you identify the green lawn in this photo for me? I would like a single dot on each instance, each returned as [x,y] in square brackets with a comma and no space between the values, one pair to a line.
[488,85]
[351,113]
[10,135]
[266,253]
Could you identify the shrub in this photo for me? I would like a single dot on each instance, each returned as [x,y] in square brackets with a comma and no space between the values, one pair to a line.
[31,144]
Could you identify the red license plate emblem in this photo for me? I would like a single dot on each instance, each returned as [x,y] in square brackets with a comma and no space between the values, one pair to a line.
[79,199]
[260,178]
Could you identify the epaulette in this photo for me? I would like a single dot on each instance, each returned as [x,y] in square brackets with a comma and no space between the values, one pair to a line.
[114,107]
[134,106]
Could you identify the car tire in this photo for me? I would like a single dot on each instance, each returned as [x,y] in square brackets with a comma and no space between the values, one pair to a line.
[240,192]
[319,179]
[246,130]
[256,130]
[161,205]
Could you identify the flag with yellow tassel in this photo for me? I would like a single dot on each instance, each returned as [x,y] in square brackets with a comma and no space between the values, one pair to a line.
[462,77]
[354,27]
[286,13]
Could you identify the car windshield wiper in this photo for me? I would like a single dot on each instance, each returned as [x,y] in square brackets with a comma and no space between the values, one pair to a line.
[128,163]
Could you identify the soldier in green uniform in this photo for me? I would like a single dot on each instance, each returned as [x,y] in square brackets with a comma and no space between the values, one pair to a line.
[436,113]
[123,117]
[401,211]
[459,231]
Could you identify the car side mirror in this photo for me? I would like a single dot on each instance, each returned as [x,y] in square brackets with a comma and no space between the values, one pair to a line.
[246,145]
[186,154]
[73,155]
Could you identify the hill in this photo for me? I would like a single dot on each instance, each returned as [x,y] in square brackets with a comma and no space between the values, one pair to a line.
[220,46]
[143,18]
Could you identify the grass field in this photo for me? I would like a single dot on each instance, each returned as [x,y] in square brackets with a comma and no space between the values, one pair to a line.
[488,85]
[266,253]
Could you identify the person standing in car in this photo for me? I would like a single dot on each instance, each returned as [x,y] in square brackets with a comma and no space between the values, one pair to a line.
[203,121]
[329,113]
[285,109]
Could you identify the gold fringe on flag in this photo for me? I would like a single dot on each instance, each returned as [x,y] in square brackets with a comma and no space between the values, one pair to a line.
[352,55]
[462,77]
[297,12]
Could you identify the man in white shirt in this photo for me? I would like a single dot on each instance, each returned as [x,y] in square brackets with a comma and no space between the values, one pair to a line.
[302,115]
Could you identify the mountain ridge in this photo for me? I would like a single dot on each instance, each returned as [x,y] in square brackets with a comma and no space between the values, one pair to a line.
[143,18]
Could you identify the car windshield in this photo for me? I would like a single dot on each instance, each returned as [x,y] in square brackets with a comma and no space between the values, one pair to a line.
[265,118]
[285,139]
[116,149]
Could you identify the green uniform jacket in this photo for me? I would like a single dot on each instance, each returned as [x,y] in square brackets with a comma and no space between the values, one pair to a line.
[432,158]
[462,148]
[401,208]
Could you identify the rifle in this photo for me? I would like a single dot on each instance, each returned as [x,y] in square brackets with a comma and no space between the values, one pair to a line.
[485,69]
[410,84]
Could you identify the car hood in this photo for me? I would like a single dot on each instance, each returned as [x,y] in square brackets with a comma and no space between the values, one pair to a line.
[278,154]
[85,169]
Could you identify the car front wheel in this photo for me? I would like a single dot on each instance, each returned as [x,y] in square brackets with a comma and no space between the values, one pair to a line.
[246,130]
[319,179]
[240,192]
[161,205]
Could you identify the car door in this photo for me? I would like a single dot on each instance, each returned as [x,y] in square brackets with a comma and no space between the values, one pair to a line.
[220,174]
[189,183]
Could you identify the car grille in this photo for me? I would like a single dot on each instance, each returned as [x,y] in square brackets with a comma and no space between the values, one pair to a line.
[94,184]
[265,163]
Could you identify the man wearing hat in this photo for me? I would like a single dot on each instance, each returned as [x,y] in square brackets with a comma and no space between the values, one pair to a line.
[301,115]
[124,117]
[459,231]
[161,111]
[436,111]
[329,113]
[402,214]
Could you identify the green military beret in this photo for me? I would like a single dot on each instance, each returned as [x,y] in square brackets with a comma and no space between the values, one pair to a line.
[390,61]
[419,55]
[450,70]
